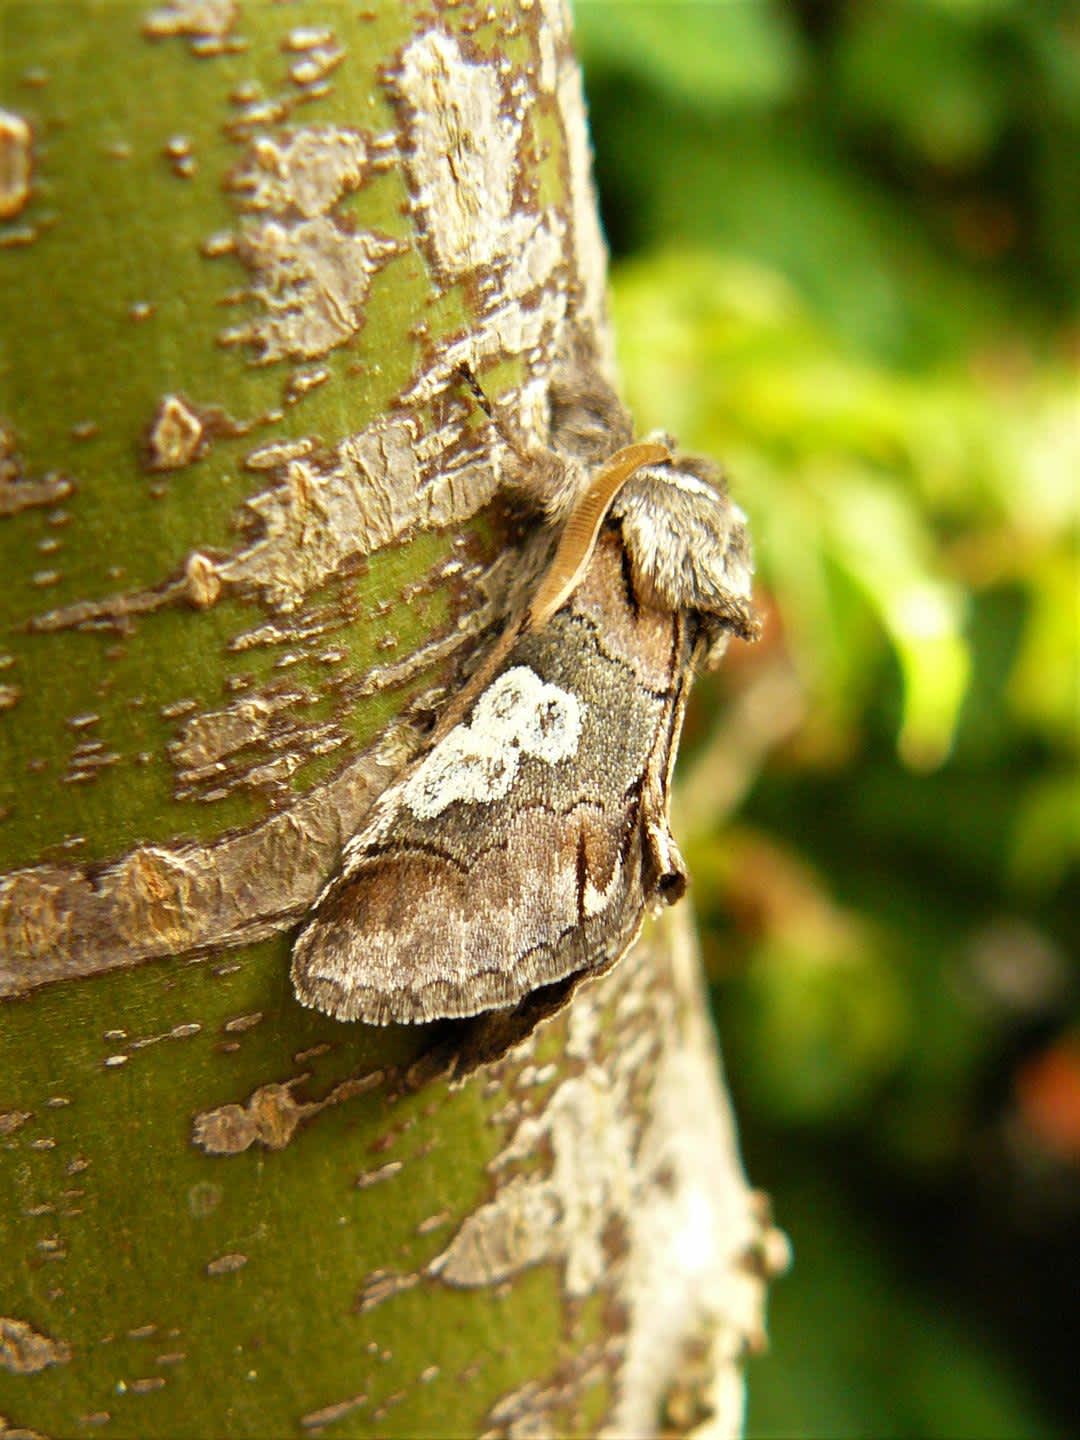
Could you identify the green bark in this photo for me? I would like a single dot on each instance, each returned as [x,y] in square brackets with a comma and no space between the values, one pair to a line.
[220,1212]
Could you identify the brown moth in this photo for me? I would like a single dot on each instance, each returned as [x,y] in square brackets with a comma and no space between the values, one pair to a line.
[519,851]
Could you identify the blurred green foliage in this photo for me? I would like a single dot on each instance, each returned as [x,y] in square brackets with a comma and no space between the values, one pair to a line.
[847,262]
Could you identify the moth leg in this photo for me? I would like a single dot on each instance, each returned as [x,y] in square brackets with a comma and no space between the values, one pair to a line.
[547,480]
[664,872]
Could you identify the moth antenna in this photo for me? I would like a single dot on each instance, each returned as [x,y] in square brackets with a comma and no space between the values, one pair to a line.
[582,529]
[467,375]
[546,479]
[513,438]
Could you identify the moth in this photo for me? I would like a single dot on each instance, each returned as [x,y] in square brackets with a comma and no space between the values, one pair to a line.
[518,853]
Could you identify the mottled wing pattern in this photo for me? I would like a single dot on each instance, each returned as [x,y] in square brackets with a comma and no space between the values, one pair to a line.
[525,846]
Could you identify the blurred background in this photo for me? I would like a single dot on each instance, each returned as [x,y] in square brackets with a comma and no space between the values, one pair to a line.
[846,262]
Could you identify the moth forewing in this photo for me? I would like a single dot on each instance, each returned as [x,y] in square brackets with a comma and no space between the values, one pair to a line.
[519,852]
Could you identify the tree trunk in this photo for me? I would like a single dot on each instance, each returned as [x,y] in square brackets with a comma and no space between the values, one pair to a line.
[252,528]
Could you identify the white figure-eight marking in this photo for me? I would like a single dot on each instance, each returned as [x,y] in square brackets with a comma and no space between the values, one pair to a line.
[477,762]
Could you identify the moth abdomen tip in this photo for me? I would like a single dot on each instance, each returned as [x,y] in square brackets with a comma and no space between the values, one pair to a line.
[671,886]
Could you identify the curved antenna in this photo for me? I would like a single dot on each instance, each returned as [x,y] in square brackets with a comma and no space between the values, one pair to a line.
[582,529]
[572,555]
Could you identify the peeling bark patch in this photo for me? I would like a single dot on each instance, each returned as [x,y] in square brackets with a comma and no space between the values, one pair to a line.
[277,454]
[8,1431]
[462,152]
[156,881]
[176,435]
[378,486]
[308,171]
[550,1407]
[158,901]
[19,491]
[560,1216]
[206,23]
[179,155]
[311,268]
[523,311]
[16,165]
[489,228]
[316,65]
[302,382]
[25,1351]
[178,1032]
[25,493]
[226,1264]
[311,279]
[316,1420]
[147,1385]
[202,582]
[367,1178]
[271,1115]
[243,1022]
[381,1285]
[115,611]
[434,1222]
[256,743]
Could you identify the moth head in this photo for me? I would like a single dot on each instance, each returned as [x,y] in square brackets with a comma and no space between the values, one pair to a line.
[688,549]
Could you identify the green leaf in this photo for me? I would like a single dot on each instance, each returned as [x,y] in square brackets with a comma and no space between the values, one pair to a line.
[730,52]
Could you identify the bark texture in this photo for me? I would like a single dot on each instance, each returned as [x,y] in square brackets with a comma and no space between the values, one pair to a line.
[252,526]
